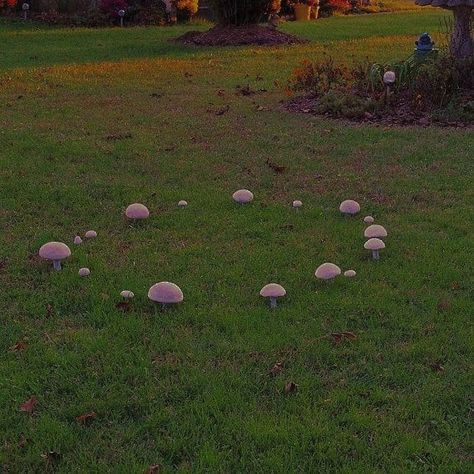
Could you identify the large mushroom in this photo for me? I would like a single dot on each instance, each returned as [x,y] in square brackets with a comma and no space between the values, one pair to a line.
[165,293]
[462,44]
[327,271]
[137,211]
[55,251]
[349,207]
[242,196]
[374,245]
[272,291]
[375,231]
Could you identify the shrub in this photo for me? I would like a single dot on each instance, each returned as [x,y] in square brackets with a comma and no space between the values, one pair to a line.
[186,8]
[241,12]
[7,4]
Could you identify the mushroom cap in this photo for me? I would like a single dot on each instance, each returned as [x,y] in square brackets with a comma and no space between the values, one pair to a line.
[297,203]
[165,292]
[77,240]
[369,220]
[127,294]
[350,273]
[54,251]
[374,244]
[375,230]
[182,203]
[389,77]
[83,272]
[90,234]
[349,206]
[242,196]
[137,211]
[272,290]
[327,270]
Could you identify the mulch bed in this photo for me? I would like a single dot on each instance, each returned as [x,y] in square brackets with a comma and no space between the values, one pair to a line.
[399,114]
[239,36]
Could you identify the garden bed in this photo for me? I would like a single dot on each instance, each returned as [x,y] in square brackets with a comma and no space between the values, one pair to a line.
[239,36]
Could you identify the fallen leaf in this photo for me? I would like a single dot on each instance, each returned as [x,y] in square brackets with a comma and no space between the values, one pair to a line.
[19,346]
[443,305]
[437,367]
[276,369]
[30,405]
[276,168]
[291,387]
[22,442]
[349,335]
[86,417]
[154,468]
[338,337]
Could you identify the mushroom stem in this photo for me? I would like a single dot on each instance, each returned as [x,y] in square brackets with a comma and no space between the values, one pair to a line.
[273,302]
[57,265]
[164,306]
[375,254]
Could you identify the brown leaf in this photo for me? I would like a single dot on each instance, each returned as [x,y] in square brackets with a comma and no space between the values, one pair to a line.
[291,387]
[19,346]
[22,442]
[443,305]
[86,417]
[338,337]
[437,367]
[49,310]
[278,169]
[154,468]
[349,335]
[123,306]
[276,369]
[30,405]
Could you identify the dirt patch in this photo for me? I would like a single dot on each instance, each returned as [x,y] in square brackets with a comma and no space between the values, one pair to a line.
[400,113]
[238,36]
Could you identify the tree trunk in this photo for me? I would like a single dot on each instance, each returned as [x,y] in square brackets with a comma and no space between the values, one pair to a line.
[461,41]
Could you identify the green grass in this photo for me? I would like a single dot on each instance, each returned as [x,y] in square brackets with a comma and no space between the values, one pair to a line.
[189,388]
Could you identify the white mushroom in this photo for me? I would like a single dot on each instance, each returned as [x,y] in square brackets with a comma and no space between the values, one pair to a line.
[165,293]
[389,78]
[350,273]
[327,271]
[182,204]
[90,234]
[349,207]
[127,295]
[376,231]
[273,291]
[374,245]
[77,240]
[83,272]
[242,196]
[368,220]
[297,204]
[137,211]
[55,251]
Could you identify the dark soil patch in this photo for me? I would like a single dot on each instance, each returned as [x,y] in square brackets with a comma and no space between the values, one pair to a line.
[238,36]
[398,113]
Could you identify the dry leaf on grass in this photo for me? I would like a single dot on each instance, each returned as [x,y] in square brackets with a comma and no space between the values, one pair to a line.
[291,387]
[86,417]
[30,405]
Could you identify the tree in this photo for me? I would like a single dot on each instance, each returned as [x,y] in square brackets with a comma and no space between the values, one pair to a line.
[241,12]
[462,44]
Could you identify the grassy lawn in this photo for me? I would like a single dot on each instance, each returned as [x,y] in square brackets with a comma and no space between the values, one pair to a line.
[92,120]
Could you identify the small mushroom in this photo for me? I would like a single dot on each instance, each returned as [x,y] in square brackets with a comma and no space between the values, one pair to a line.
[375,245]
[127,295]
[137,211]
[369,220]
[350,273]
[165,293]
[90,234]
[349,207]
[389,78]
[182,204]
[376,231]
[77,240]
[297,204]
[273,291]
[242,196]
[84,272]
[327,271]
[55,251]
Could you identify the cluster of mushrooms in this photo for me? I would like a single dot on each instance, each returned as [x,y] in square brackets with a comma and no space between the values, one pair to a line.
[167,293]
